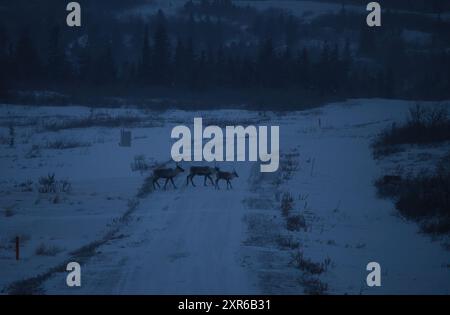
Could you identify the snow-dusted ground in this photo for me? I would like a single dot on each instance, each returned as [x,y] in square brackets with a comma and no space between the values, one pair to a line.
[305,9]
[169,7]
[200,240]
[301,8]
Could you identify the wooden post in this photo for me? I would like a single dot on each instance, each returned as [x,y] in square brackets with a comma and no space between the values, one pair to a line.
[17,247]
[125,138]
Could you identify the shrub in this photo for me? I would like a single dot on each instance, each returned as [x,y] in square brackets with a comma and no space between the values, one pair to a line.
[94,120]
[47,184]
[287,204]
[287,242]
[423,198]
[424,125]
[63,144]
[139,164]
[307,265]
[64,186]
[387,188]
[288,166]
[43,250]
[313,286]
[438,226]
[26,186]
[296,222]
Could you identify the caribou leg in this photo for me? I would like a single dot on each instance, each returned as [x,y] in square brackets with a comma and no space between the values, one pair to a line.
[210,178]
[171,180]
[165,184]
[155,181]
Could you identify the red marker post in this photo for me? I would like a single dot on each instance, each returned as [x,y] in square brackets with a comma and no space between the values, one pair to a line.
[17,248]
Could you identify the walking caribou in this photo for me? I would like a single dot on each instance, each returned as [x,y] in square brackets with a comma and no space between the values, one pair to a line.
[168,174]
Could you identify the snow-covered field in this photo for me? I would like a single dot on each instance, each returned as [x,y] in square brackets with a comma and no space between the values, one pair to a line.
[198,240]
[301,8]
[305,9]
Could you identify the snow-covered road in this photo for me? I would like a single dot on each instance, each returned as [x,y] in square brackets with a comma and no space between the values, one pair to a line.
[191,243]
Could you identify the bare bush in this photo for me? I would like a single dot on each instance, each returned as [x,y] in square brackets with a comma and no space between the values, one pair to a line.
[26,186]
[94,120]
[287,242]
[287,204]
[307,265]
[313,286]
[387,188]
[44,250]
[140,164]
[64,185]
[296,222]
[48,184]
[428,117]
[424,125]
[423,198]
[63,144]
[436,226]
[288,167]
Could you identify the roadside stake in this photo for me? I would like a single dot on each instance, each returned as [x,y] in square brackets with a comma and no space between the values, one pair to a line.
[17,248]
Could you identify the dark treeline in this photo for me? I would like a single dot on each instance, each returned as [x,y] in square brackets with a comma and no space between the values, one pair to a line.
[212,46]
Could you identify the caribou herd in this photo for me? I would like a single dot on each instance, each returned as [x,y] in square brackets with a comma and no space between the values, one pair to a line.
[207,172]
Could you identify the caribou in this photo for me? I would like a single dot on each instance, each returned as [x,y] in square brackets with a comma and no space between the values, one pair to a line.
[168,174]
